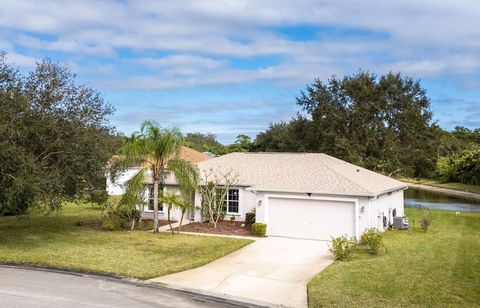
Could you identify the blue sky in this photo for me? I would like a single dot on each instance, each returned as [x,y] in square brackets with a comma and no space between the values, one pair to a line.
[232,67]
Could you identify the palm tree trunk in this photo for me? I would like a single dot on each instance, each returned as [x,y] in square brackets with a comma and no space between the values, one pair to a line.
[181,219]
[155,206]
[142,207]
[169,222]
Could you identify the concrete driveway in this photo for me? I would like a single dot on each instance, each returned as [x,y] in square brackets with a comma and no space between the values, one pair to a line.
[273,270]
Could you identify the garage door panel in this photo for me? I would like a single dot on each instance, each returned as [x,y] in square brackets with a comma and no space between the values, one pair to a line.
[312,219]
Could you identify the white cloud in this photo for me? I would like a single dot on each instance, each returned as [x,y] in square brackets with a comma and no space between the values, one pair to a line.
[424,38]
[21,61]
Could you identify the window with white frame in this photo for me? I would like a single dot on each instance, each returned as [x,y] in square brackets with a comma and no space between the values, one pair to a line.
[232,201]
[150,200]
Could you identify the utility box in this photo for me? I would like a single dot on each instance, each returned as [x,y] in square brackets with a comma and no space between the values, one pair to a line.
[400,223]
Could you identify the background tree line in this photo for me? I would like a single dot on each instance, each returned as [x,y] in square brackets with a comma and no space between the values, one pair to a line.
[383,123]
[56,140]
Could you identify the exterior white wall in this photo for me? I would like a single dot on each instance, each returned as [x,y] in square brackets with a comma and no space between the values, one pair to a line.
[247,201]
[117,188]
[175,214]
[383,205]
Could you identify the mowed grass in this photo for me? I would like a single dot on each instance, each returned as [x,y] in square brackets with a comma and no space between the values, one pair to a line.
[450,185]
[73,239]
[439,268]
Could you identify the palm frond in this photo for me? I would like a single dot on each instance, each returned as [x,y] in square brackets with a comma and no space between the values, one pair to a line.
[164,143]
[133,152]
[135,190]
[186,174]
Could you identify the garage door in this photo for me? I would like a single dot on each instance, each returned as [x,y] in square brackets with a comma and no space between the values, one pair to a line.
[311,219]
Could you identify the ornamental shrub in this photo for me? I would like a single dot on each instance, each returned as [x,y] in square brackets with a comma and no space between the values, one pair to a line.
[250,218]
[342,247]
[373,238]
[426,219]
[259,229]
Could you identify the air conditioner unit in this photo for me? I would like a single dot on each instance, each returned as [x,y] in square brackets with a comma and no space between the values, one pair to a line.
[400,223]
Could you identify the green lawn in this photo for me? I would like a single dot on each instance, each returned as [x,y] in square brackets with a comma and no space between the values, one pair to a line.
[58,241]
[451,185]
[440,268]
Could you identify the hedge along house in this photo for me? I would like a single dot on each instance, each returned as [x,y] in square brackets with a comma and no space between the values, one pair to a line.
[308,195]
[118,187]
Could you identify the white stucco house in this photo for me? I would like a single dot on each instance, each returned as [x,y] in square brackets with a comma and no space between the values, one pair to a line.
[305,195]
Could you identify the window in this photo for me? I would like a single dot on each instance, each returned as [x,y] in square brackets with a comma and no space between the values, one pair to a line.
[150,200]
[232,201]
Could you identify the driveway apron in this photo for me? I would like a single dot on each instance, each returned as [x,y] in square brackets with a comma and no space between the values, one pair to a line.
[273,270]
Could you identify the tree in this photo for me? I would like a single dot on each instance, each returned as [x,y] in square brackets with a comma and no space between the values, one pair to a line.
[157,152]
[184,206]
[172,200]
[204,143]
[134,197]
[213,191]
[467,135]
[383,123]
[55,138]
[243,143]
[282,137]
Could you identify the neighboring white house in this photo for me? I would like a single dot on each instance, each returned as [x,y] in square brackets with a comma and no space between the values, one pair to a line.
[307,195]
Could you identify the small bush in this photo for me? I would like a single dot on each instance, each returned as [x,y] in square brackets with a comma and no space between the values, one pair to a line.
[342,247]
[426,219]
[259,229]
[373,238]
[99,197]
[221,216]
[117,216]
[79,223]
[250,218]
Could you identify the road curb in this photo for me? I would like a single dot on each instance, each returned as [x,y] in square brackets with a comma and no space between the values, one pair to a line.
[201,296]
[230,298]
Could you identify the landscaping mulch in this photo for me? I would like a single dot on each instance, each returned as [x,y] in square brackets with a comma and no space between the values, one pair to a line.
[223,227]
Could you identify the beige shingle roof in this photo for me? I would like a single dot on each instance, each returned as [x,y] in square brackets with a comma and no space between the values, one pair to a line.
[192,155]
[186,153]
[302,172]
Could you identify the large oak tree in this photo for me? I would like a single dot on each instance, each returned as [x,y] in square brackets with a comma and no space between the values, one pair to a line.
[55,138]
[382,122]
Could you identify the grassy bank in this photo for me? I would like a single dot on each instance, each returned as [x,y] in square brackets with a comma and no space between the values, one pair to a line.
[437,183]
[440,268]
[73,239]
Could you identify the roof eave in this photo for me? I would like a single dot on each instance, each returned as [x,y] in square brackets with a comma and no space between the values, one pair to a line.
[357,194]
[401,187]
[353,194]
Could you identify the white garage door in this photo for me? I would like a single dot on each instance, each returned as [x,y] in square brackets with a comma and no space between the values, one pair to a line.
[311,219]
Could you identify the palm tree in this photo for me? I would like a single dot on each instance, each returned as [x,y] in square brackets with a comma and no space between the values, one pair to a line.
[171,200]
[184,206]
[157,151]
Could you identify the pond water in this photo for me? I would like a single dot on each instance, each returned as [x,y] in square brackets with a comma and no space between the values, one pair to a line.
[416,198]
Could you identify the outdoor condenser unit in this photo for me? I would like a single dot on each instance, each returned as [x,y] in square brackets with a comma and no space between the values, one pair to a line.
[400,223]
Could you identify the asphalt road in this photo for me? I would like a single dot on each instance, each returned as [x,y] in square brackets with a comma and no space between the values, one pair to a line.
[21,287]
